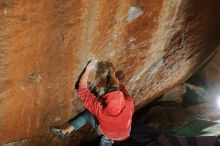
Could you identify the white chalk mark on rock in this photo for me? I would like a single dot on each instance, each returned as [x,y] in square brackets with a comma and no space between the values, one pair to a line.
[19,142]
[133,13]
[5,11]
[132,43]
[58,119]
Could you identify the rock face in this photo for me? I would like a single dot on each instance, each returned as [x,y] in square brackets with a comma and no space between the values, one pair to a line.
[212,75]
[45,44]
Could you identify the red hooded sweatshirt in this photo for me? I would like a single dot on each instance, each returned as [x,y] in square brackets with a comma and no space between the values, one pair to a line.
[115,119]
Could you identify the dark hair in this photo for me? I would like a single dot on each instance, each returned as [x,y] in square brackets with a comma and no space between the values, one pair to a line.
[111,89]
[107,90]
[102,100]
[110,84]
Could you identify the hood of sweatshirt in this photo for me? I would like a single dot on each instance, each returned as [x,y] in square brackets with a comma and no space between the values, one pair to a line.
[115,103]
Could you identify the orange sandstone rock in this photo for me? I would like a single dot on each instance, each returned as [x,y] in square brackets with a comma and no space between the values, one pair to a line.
[45,44]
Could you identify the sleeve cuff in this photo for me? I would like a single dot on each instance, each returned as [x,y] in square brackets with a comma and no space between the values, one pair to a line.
[82,85]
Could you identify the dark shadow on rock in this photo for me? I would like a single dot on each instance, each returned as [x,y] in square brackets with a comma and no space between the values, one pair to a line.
[198,80]
[94,142]
[191,98]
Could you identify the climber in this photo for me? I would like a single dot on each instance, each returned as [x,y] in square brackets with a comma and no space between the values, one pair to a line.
[111,116]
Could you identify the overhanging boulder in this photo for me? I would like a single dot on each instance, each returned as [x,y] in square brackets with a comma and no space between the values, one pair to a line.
[45,44]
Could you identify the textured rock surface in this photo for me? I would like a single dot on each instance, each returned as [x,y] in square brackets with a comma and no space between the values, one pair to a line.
[212,74]
[45,44]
